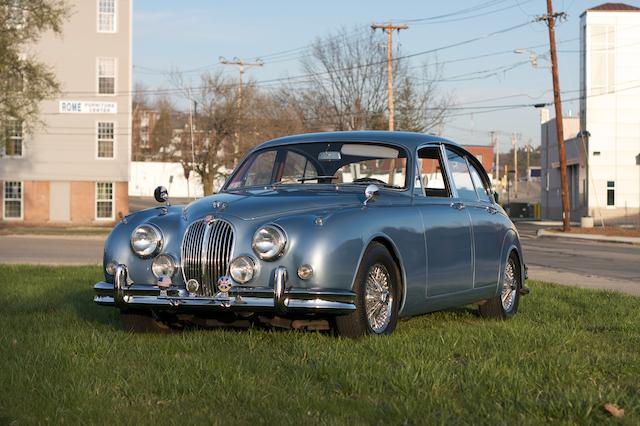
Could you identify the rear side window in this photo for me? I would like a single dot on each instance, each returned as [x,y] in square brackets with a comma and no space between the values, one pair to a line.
[431,177]
[481,189]
[461,176]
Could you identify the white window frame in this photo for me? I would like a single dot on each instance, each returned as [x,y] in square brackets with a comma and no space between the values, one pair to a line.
[115,76]
[113,202]
[115,18]
[113,157]
[4,149]
[4,200]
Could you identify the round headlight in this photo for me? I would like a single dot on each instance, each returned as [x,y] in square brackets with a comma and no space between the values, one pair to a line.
[163,266]
[242,269]
[146,240]
[269,242]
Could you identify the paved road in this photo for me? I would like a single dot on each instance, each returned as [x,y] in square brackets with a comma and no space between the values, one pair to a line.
[580,263]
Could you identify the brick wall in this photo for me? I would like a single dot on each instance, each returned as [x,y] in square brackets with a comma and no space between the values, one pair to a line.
[35,202]
[122,199]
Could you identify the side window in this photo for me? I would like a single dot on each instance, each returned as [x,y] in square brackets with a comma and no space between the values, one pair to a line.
[461,177]
[430,173]
[481,189]
[297,166]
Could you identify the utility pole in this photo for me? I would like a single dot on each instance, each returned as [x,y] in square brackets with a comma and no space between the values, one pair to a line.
[389,28]
[514,143]
[241,66]
[494,144]
[550,19]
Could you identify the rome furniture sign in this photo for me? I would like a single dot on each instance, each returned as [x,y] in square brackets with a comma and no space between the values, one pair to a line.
[85,107]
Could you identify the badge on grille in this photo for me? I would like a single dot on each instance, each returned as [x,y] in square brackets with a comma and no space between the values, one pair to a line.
[224,284]
[209,219]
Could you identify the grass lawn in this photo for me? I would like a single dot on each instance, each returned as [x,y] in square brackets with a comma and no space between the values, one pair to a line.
[566,354]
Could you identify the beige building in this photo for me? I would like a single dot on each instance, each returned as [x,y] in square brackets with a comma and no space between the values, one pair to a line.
[75,170]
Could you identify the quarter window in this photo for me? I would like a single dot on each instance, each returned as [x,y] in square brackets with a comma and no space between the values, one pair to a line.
[107,16]
[106,138]
[461,177]
[611,193]
[481,189]
[104,200]
[106,76]
[13,200]
[13,138]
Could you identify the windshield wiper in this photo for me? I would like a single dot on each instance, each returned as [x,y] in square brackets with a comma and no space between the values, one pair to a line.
[304,179]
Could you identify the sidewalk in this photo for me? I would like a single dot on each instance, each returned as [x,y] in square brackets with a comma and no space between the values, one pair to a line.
[590,237]
[571,279]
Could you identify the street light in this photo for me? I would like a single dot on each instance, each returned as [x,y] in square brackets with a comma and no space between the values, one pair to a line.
[533,57]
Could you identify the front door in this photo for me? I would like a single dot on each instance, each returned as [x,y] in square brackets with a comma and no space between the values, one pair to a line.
[447,227]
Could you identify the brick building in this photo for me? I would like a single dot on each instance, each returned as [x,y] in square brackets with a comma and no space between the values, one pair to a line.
[75,170]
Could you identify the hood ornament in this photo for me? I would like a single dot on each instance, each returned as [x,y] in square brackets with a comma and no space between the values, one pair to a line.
[209,219]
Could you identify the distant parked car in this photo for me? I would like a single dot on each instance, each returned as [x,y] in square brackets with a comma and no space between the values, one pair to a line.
[349,230]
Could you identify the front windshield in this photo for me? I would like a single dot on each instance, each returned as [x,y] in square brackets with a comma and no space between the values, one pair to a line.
[339,163]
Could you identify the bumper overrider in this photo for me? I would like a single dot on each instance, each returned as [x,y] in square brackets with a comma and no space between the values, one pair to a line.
[278,299]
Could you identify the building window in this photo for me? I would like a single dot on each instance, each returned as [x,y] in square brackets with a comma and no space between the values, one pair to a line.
[13,200]
[602,51]
[106,139]
[104,200]
[611,193]
[106,76]
[13,138]
[107,16]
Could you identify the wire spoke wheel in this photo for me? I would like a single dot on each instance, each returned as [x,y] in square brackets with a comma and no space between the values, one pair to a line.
[378,298]
[509,286]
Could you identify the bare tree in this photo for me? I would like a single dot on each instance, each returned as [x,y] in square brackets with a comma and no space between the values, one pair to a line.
[205,144]
[347,87]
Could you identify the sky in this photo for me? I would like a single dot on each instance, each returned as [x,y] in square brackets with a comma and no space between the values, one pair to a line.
[191,35]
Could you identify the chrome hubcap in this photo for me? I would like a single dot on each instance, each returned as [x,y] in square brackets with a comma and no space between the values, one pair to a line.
[509,287]
[378,298]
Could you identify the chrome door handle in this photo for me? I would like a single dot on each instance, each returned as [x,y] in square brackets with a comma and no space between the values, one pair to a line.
[457,205]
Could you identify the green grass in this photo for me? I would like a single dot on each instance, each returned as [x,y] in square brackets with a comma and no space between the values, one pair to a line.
[63,359]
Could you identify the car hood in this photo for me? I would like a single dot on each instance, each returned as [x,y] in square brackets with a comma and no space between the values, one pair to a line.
[260,203]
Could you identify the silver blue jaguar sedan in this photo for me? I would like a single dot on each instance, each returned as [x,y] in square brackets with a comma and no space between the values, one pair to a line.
[344,230]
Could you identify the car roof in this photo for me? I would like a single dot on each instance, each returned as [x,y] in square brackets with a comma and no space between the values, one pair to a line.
[407,140]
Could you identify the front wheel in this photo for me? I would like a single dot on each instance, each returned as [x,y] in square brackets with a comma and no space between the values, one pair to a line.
[377,296]
[505,305]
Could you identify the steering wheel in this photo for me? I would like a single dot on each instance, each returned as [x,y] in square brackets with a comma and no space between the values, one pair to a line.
[369,179]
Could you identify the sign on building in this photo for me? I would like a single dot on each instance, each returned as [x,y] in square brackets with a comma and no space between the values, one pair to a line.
[84,107]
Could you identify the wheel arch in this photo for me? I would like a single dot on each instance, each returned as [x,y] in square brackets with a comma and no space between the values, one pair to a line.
[388,243]
[511,244]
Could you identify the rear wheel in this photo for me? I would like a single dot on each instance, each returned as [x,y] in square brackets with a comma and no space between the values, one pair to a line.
[505,305]
[377,296]
[142,322]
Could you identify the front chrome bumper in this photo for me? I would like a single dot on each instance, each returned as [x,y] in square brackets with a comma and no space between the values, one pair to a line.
[278,299]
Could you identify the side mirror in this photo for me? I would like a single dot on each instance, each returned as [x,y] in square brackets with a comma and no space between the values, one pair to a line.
[161,195]
[370,192]
[496,197]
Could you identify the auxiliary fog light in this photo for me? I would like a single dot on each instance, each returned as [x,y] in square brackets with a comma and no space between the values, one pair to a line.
[110,269]
[242,269]
[163,266]
[305,272]
[192,286]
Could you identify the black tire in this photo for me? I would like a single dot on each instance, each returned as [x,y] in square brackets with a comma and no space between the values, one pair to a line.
[142,322]
[356,324]
[494,308]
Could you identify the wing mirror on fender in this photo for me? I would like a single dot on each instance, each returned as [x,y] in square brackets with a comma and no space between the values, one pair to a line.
[161,195]
[370,193]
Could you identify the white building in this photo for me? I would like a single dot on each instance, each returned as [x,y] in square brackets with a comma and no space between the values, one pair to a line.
[610,110]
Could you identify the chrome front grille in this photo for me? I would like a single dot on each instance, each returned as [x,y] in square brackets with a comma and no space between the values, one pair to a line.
[206,253]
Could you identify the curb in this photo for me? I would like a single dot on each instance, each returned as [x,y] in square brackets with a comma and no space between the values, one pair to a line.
[545,233]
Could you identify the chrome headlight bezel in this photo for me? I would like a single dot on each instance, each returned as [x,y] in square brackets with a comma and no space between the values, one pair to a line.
[279,244]
[151,250]
[172,262]
[250,262]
